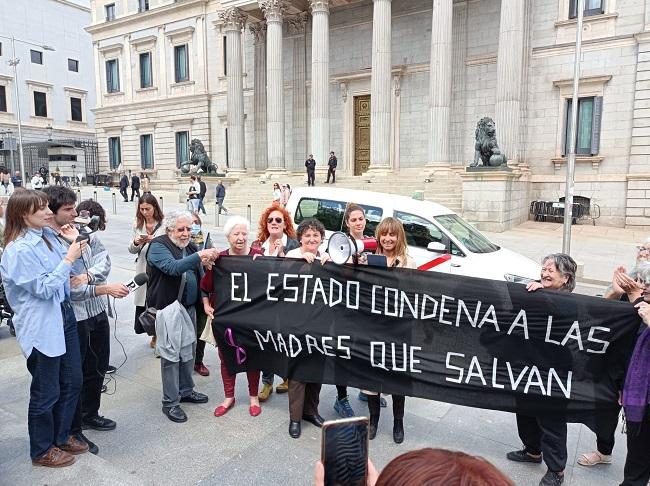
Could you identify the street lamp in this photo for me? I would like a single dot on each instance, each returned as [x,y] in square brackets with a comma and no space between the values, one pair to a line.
[13,62]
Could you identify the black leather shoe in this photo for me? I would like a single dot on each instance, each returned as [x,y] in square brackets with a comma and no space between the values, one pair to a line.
[175,414]
[294,429]
[92,447]
[315,419]
[98,423]
[523,456]
[398,431]
[195,397]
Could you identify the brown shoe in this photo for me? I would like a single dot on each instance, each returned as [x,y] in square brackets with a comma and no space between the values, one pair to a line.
[282,388]
[264,395]
[74,446]
[152,343]
[55,457]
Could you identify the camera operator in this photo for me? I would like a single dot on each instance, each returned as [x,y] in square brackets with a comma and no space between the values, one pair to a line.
[88,286]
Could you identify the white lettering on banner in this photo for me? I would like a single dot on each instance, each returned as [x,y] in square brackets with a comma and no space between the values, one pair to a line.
[234,287]
[390,362]
[395,303]
[536,380]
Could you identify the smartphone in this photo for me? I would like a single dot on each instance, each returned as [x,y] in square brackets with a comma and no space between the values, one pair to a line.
[344,451]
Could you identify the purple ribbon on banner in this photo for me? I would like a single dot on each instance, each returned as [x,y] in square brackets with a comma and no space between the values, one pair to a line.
[240,353]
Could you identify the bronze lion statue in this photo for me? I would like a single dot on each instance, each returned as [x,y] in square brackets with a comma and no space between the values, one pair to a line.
[199,158]
[486,148]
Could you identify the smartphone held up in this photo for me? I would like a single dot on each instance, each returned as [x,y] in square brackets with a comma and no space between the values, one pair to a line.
[344,451]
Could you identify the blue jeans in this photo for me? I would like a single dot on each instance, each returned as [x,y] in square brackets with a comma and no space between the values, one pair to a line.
[54,392]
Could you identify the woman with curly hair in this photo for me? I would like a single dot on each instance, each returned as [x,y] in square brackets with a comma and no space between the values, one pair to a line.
[276,235]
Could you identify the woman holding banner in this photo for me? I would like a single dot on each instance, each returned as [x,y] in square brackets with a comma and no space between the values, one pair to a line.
[276,235]
[391,242]
[236,230]
[304,397]
[545,438]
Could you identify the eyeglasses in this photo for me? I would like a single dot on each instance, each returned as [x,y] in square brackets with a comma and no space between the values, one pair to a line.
[180,230]
[277,220]
[643,249]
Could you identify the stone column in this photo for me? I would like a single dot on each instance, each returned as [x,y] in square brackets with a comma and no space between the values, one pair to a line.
[380,88]
[259,32]
[440,82]
[273,11]
[297,25]
[320,66]
[509,76]
[234,20]
[99,87]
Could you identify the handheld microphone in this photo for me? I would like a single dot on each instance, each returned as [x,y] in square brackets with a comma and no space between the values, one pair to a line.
[138,281]
[87,225]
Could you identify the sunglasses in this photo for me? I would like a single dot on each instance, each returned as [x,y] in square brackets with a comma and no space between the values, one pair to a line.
[277,220]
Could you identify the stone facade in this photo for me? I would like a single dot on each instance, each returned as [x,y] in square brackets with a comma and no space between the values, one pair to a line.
[507,59]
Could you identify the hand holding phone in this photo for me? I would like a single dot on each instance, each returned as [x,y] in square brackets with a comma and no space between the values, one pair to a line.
[344,451]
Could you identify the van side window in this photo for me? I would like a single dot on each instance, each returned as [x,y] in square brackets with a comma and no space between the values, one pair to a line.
[419,231]
[328,212]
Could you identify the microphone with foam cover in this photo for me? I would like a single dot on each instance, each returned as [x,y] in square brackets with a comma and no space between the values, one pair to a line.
[138,281]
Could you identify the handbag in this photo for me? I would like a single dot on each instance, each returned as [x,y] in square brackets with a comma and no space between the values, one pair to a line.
[207,335]
[148,318]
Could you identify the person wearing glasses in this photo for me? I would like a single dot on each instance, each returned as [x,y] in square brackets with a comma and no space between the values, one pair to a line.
[236,230]
[276,235]
[174,266]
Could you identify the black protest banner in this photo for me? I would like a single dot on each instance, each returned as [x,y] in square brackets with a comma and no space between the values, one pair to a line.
[461,340]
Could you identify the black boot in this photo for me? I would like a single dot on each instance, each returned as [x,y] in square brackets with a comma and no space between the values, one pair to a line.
[374,408]
[398,418]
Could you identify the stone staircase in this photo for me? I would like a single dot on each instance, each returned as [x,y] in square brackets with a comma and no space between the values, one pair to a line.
[256,190]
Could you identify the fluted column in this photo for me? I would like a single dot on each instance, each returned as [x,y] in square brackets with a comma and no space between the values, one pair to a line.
[320,66]
[440,82]
[273,11]
[297,26]
[380,94]
[509,76]
[259,33]
[234,20]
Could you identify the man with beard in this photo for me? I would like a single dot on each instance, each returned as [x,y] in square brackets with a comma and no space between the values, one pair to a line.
[174,266]
[88,286]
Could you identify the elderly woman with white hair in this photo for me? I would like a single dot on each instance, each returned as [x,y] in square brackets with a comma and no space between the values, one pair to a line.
[236,230]
[174,266]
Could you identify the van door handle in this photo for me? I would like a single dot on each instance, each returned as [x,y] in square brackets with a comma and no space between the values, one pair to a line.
[456,265]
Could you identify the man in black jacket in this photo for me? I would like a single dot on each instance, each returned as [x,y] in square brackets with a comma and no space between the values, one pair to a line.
[310,164]
[124,183]
[135,186]
[203,189]
[331,168]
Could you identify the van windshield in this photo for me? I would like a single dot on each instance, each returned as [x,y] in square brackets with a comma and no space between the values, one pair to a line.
[466,234]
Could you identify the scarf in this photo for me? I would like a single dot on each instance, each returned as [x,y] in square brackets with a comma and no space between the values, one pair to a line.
[636,391]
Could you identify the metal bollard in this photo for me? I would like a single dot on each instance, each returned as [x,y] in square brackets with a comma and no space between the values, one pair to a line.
[95,195]
[248,212]
[78,195]
[216,214]
[114,203]
[162,205]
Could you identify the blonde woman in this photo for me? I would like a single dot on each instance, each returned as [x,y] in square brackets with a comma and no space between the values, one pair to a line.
[391,242]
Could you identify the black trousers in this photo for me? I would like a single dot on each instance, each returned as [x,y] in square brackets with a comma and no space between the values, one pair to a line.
[135,191]
[637,463]
[332,172]
[544,436]
[94,345]
[311,177]
[124,194]
[606,425]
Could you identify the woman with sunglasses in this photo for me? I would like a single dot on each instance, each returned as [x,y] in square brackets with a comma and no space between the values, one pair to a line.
[236,230]
[276,235]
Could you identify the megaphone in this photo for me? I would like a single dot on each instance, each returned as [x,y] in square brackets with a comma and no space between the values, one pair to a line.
[341,247]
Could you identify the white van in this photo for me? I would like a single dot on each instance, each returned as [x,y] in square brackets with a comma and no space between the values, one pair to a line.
[432,231]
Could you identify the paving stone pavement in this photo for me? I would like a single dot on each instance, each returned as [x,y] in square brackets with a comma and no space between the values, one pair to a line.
[148,449]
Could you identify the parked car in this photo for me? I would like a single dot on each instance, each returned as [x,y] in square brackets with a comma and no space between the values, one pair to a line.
[432,231]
